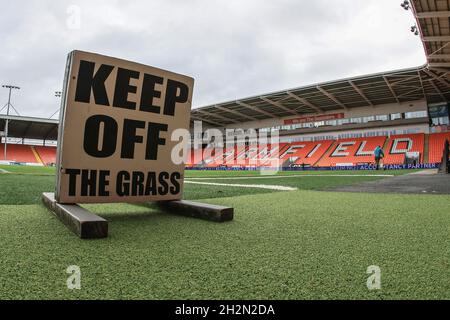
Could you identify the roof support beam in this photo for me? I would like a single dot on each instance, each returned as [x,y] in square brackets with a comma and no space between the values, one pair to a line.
[49,132]
[27,129]
[305,102]
[245,105]
[207,121]
[330,96]
[361,93]
[437,39]
[406,94]
[439,64]
[237,113]
[279,105]
[438,56]
[391,89]
[437,89]
[433,14]
[438,77]
[217,116]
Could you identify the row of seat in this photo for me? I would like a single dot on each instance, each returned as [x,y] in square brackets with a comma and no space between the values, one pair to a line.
[436,142]
[28,154]
[327,153]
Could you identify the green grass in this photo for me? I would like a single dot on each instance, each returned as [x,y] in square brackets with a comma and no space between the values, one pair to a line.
[25,188]
[29,169]
[280,246]
[220,173]
[303,244]
[224,173]
[299,182]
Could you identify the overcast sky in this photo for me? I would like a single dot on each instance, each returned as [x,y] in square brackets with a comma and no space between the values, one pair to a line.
[233,48]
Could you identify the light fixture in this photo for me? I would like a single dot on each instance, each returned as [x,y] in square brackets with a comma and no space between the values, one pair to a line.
[405,5]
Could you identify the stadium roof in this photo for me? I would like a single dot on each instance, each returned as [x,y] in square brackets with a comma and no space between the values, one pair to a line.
[30,128]
[433,22]
[390,87]
[430,82]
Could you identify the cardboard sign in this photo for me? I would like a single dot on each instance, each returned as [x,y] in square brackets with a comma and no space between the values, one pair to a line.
[115,130]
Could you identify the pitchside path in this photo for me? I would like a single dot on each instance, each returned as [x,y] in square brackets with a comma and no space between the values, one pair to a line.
[422,182]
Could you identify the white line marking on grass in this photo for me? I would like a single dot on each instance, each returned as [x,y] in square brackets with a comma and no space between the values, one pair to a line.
[258,186]
[425,172]
[292,176]
[4,171]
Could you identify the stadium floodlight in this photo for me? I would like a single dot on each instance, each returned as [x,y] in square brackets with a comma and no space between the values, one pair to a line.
[415,30]
[405,5]
[58,94]
[7,106]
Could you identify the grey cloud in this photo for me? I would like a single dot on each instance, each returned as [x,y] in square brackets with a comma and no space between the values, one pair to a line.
[232,48]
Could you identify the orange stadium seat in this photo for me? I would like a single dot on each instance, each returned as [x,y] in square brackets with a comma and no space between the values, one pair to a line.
[47,154]
[307,152]
[194,157]
[18,153]
[250,156]
[327,153]
[436,146]
[398,145]
[352,151]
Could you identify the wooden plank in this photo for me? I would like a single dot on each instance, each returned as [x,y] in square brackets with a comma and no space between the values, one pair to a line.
[198,210]
[83,223]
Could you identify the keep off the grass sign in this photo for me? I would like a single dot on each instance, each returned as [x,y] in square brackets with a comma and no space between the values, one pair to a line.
[115,131]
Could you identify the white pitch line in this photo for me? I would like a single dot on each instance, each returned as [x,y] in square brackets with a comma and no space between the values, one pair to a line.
[258,186]
[3,171]
[292,176]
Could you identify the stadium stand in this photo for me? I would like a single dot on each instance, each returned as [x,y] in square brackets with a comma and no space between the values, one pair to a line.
[47,154]
[241,156]
[326,153]
[352,151]
[307,153]
[29,154]
[19,153]
[399,145]
[436,146]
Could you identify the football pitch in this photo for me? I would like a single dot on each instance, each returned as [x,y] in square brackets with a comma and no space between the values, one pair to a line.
[288,240]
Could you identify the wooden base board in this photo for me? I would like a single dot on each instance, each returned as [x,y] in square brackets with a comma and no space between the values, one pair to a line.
[83,223]
[87,225]
[198,210]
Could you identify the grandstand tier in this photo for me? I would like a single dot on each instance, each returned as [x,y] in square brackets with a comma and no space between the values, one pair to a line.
[47,154]
[352,151]
[305,153]
[325,153]
[399,145]
[28,154]
[436,146]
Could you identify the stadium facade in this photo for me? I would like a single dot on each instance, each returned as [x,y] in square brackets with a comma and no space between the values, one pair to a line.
[331,124]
